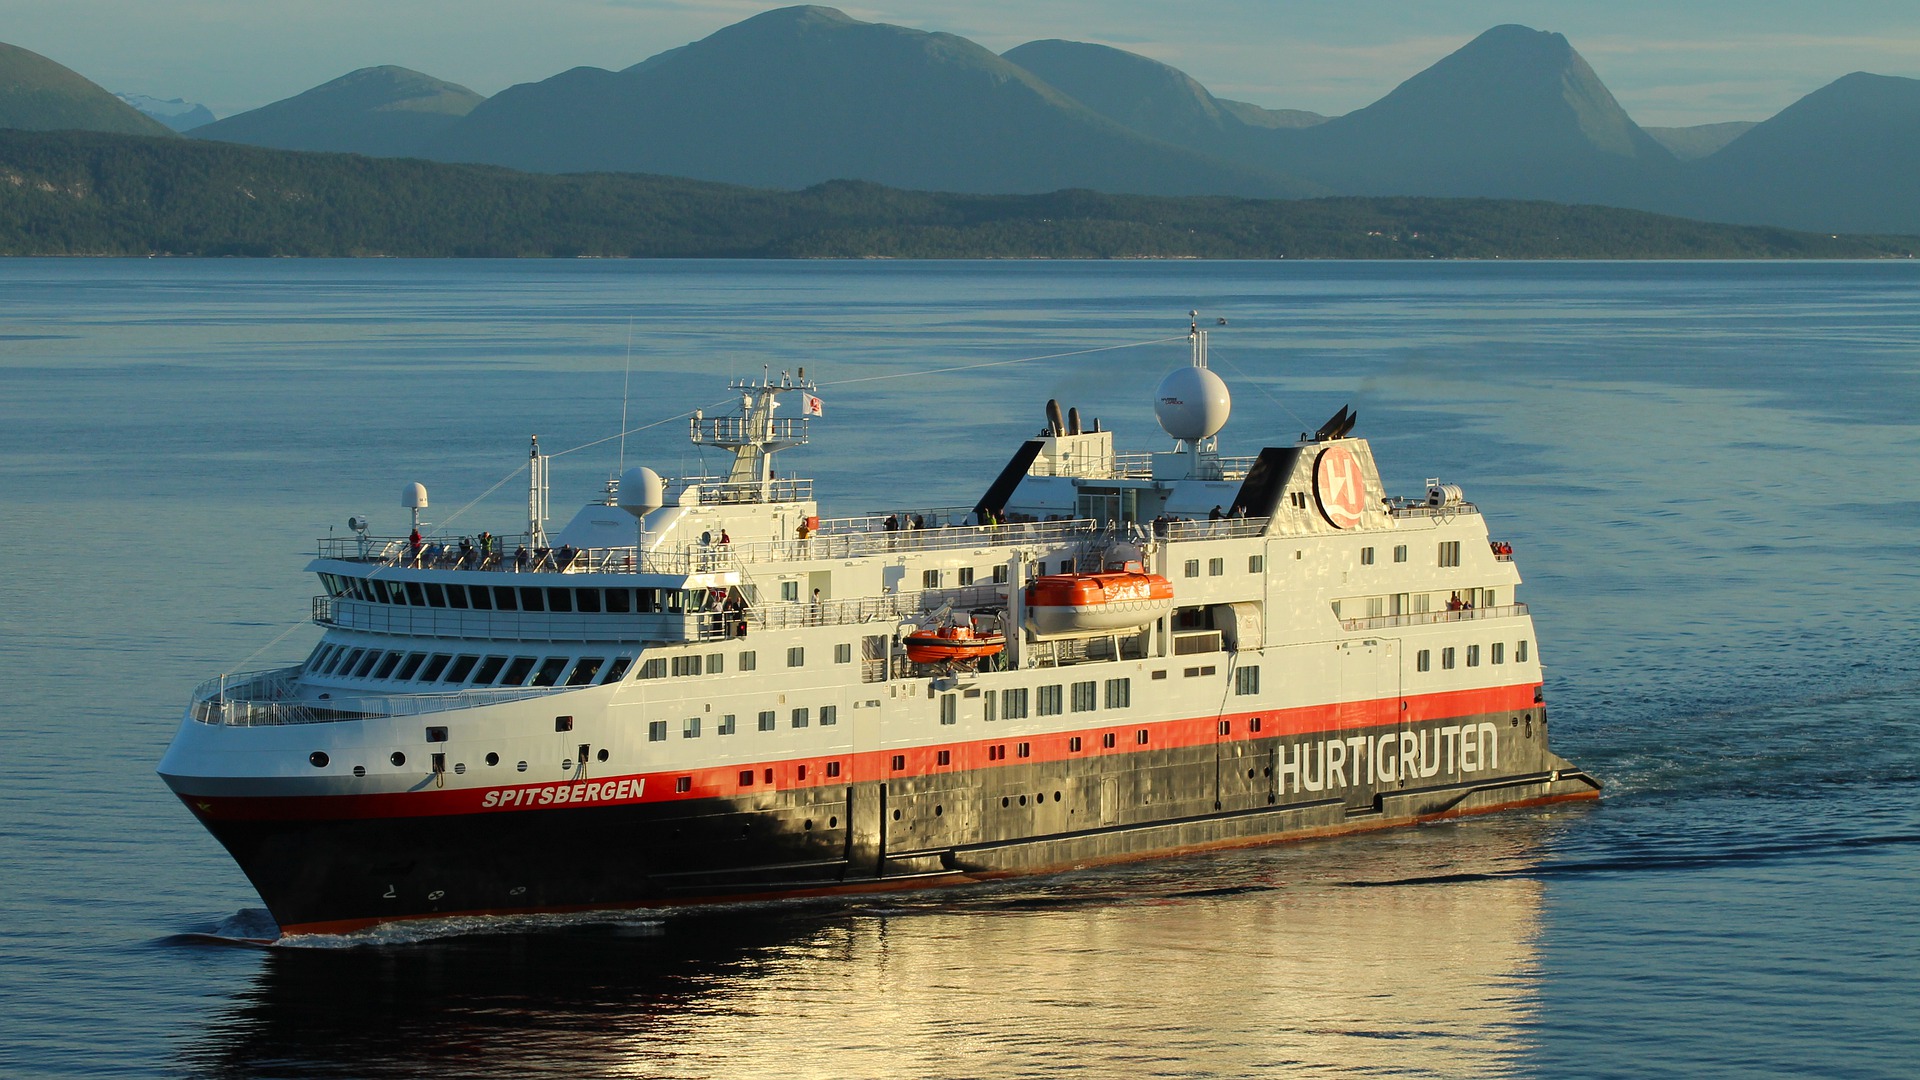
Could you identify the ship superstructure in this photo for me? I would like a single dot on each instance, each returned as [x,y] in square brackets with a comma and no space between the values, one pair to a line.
[702,689]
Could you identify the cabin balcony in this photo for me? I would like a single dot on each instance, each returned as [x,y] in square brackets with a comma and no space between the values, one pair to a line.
[1429,618]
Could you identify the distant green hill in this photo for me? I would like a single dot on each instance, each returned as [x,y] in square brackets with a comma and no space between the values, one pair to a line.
[79,193]
[37,94]
[383,111]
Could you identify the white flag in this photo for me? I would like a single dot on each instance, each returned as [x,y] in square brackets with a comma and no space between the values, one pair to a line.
[812,405]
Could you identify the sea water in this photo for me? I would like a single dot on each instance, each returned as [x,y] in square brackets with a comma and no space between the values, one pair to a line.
[1707,472]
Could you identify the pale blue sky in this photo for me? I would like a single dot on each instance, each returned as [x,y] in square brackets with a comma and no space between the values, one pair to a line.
[1670,62]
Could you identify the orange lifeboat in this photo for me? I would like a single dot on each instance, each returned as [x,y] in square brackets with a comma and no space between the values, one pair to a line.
[1083,603]
[950,643]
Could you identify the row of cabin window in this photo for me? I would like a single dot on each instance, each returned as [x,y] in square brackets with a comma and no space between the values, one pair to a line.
[768,720]
[1256,564]
[1011,704]
[1449,554]
[661,667]
[1496,654]
[435,594]
[468,669]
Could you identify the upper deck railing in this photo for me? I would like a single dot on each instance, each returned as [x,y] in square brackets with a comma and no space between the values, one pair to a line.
[266,699]
[1430,618]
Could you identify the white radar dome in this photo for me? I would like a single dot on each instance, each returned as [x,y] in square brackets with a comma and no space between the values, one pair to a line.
[414,497]
[641,491]
[1192,403]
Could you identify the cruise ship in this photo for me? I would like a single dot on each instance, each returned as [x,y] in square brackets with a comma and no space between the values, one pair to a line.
[703,690]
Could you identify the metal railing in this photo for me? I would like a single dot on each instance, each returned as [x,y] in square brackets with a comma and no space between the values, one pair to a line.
[266,699]
[1429,618]
[1219,529]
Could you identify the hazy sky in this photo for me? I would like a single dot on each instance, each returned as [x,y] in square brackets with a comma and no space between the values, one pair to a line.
[1670,62]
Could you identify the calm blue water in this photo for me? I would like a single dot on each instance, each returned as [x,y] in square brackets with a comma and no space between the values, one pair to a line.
[1708,472]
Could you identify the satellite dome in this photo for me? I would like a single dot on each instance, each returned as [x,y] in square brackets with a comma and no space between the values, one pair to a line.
[641,491]
[1192,403]
[414,497]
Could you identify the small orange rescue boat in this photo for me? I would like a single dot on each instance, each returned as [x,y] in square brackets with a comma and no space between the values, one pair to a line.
[1085,603]
[949,643]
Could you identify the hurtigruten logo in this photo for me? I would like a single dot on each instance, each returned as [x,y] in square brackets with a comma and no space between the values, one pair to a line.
[1340,487]
[1332,764]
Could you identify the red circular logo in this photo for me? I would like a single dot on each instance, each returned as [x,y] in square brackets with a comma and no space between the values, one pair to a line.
[1339,487]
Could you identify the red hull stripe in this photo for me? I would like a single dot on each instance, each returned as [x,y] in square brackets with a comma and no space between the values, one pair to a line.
[792,773]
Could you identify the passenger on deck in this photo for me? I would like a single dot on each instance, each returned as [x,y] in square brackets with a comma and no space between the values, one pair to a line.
[724,538]
[1453,602]
[1215,514]
[520,558]
[892,524]
[413,548]
[919,522]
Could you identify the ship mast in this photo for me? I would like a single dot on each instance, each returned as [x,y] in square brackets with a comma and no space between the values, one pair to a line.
[756,435]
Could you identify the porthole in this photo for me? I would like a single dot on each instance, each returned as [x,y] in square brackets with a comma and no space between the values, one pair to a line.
[1005,802]
[459,768]
[398,759]
[566,765]
[938,810]
[523,766]
[1023,800]
[1056,796]
[493,759]
[359,770]
[602,755]
[896,815]
[808,825]
[318,759]
[833,823]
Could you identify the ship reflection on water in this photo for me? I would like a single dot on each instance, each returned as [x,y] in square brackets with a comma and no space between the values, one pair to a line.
[1409,953]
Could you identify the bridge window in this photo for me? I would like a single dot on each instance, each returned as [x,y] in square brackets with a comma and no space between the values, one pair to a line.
[416,596]
[619,601]
[366,664]
[387,665]
[434,667]
[517,671]
[489,670]
[560,600]
[532,599]
[412,665]
[457,596]
[616,670]
[584,671]
[550,670]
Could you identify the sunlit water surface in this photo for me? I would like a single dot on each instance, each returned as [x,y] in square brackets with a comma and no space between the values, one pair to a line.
[1707,472]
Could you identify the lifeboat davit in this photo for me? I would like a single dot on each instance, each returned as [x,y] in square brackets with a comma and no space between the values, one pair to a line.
[949,643]
[1084,603]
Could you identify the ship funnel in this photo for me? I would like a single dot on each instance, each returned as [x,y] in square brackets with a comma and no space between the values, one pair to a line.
[642,491]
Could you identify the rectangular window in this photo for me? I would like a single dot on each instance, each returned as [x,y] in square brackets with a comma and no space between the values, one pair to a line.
[843,653]
[457,596]
[587,601]
[1520,652]
[1051,702]
[657,731]
[436,596]
[1073,745]
[462,667]
[949,708]
[1473,656]
[833,768]
[987,701]
[517,671]
[1119,693]
[584,671]
[412,665]
[1253,724]
[1086,696]
[1246,680]
[655,668]
[1399,553]
[800,772]
[1450,553]
[366,664]
[682,784]
[489,670]
[550,670]
[829,715]
[560,600]
[686,665]
[966,576]
[943,757]
[899,762]
[690,729]
[930,579]
[1023,750]
[1192,568]
[749,661]
[797,656]
[995,753]
[746,777]
[726,725]
[1366,556]
[1140,736]
[1107,741]
[1013,704]
[619,601]
[716,663]
[1000,575]
[1423,660]
[1256,564]
[616,670]
[1497,653]
[387,665]
[1216,567]
[790,591]
[768,721]
[434,667]
[1446,659]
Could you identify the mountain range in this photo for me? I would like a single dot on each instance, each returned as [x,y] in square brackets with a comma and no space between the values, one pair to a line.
[799,96]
